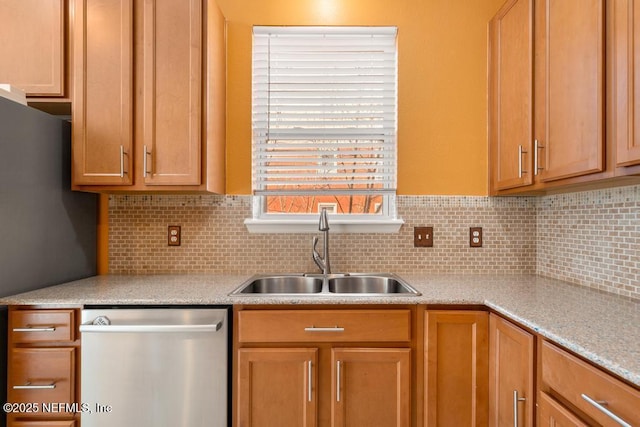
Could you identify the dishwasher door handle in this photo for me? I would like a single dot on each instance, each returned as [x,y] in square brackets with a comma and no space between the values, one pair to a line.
[88,327]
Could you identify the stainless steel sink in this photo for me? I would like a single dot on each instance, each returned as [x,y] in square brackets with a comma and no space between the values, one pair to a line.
[356,284]
[369,285]
[282,284]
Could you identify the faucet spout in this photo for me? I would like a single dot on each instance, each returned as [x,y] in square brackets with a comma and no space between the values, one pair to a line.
[322,262]
[324,221]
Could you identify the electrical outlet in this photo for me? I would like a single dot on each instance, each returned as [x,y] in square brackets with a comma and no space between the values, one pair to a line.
[475,237]
[173,238]
[422,237]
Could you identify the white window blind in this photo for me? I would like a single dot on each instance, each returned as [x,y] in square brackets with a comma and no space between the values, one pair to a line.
[324,110]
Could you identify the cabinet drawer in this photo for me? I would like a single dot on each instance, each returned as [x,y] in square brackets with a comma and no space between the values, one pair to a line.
[324,325]
[41,375]
[552,413]
[572,379]
[31,326]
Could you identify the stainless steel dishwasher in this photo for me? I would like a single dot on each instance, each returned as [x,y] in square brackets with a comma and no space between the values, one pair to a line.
[154,367]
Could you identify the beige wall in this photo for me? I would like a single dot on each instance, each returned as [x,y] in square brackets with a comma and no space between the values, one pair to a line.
[442,63]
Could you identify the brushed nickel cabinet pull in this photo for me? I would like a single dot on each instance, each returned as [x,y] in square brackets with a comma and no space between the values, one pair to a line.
[333,329]
[516,400]
[121,161]
[30,329]
[29,386]
[338,381]
[309,377]
[144,162]
[520,153]
[536,147]
[600,405]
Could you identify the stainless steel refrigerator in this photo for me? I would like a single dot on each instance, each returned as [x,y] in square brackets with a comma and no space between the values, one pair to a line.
[47,232]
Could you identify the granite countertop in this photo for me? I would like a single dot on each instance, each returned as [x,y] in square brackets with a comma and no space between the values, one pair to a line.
[601,327]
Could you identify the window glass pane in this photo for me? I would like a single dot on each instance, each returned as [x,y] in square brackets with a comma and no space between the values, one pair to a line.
[370,204]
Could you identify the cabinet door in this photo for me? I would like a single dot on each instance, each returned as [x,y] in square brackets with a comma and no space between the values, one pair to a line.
[569,77]
[510,374]
[625,39]
[33,45]
[102,98]
[553,414]
[456,371]
[172,87]
[371,387]
[511,95]
[277,387]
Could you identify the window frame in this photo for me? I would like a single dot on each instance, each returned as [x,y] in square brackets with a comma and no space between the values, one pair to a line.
[385,221]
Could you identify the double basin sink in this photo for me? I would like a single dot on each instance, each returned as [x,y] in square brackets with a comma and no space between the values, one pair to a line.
[322,285]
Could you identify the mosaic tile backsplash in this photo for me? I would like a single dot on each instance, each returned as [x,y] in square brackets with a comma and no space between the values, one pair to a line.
[590,239]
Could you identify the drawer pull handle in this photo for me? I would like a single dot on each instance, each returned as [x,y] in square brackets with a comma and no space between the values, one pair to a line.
[30,329]
[601,407]
[516,400]
[333,329]
[29,386]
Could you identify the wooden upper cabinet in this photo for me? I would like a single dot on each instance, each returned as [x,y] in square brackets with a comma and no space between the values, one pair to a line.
[172,91]
[148,111]
[569,88]
[33,46]
[511,393]
[625,62]
[456,368]
[511,95]
[103,92]
[546,94]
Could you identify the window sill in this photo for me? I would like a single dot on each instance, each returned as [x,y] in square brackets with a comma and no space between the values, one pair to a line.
[311,225]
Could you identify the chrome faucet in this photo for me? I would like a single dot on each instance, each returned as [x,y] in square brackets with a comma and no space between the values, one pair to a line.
[322,262]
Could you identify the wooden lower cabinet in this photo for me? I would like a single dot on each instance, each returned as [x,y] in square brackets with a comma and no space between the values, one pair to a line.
[278,386]
[456,370]
[588,394]
[553,414]
[371,387]
[324,367]
[43,361]
[511,386]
